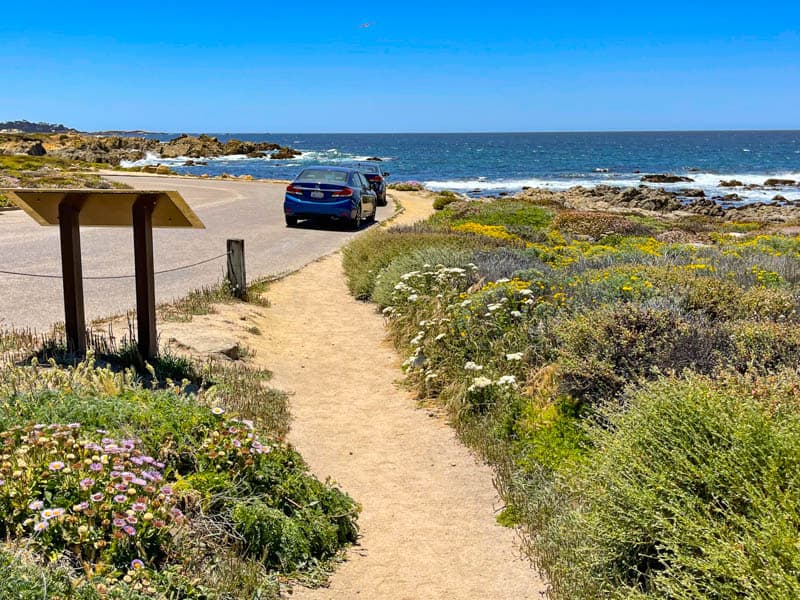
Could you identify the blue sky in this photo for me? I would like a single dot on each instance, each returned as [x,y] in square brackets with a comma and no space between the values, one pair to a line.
[404,66]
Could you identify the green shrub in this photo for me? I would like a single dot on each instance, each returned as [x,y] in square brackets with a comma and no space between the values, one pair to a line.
[369,254]
[605,349]
[692,491]
[131,453]
[407,186]
[505,212]
[418,260]
[775,304]
[598,224]
[763,345]
[444,198]
[718,299]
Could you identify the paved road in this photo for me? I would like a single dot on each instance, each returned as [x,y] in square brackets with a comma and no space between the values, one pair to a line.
[230,209]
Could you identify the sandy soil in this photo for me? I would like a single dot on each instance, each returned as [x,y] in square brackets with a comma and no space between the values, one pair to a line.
[428,527]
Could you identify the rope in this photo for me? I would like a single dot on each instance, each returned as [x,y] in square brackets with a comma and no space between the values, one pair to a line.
[172,270]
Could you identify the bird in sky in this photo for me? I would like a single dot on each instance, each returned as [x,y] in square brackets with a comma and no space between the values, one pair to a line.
[367,25]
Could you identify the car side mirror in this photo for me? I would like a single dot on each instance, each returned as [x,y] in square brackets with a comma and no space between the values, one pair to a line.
[386,174]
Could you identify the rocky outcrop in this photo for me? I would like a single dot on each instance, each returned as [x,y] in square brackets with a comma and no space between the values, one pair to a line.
[105,150]
[26,147]
[208,146]
[642,197]
[731,183]
[666,178]
[649,200]
[692,193]
[191,146]
[285,153]
[779,182]
[112,150]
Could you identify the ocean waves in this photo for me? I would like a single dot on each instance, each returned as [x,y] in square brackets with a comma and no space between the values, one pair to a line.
[750,187]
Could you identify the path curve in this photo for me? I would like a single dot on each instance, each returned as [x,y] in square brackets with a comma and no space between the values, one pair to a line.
[428,526]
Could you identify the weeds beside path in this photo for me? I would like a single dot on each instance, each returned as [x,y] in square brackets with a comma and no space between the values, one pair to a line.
[428,523]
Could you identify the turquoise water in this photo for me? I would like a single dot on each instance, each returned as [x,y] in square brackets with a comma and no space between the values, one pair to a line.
[491,163]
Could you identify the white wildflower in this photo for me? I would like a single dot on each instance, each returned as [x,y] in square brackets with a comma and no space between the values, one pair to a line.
[514,356]
[479,383]
[503,280]
[516,314]
[507,380]
[441,336]
[526,292]
[412,297]
[466,303]
[472,366]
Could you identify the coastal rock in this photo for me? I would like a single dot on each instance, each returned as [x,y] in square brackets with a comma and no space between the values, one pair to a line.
[375,158]
[731,183]
[692,193]
[778,182]
[779,199]
[104,150]
[193,147]
[284,153]
[26,147]
[705,207]
[666,178]
[769,213]
[641,198]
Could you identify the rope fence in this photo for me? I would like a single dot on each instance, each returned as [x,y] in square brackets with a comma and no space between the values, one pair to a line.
[99,277]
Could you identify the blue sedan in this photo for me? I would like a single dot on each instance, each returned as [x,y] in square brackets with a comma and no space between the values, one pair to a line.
[334,192]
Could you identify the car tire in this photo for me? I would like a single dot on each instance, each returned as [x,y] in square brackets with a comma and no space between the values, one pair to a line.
[291,221]
[371,219]
[355,224]
[382,200]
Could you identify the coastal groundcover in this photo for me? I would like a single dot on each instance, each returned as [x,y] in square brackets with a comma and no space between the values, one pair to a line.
[113,488]
[632,379]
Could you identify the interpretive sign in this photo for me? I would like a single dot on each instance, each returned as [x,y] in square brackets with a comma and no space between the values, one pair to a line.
[143,210]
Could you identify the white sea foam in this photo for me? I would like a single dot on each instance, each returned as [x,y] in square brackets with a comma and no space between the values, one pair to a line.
[708,182]
[330,156]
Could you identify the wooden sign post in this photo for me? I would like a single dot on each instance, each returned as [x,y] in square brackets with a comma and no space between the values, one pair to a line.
[71,209]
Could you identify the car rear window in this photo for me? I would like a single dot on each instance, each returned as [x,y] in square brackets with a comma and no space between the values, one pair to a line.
[369,169]
[323,175]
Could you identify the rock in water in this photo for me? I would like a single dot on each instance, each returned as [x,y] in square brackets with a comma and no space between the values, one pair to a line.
[666,178]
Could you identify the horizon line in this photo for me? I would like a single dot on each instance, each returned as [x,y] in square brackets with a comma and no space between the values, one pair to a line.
[220,132]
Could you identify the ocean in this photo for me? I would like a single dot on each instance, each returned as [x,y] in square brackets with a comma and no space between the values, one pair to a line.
[491,163]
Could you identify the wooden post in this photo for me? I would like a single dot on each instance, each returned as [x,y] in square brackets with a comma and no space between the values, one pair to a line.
[72,273]
[145,277]
[236,273]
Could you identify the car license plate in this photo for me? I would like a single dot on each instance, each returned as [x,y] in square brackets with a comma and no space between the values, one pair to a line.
[317,195]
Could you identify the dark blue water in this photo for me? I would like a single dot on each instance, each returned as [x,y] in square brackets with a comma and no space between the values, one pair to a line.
[492,162]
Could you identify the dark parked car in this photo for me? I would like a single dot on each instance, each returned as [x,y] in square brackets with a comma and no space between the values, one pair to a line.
[334,192]
[377,179]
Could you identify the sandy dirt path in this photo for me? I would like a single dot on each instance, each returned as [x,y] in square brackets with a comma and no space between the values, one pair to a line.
[428,526]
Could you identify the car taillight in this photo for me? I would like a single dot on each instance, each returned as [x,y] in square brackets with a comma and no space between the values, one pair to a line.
[343,193]
[294,190]
[375,178]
